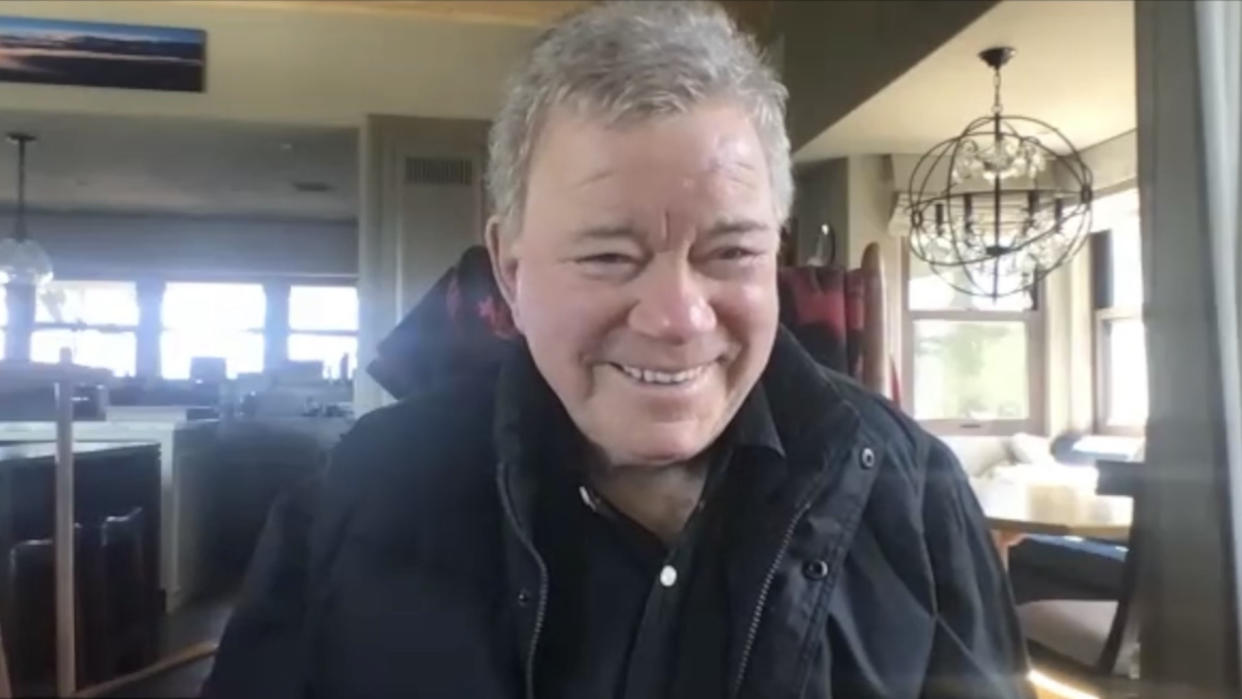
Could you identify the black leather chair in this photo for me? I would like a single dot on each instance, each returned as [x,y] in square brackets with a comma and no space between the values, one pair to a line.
[129,617]
[30,638]
[117,606]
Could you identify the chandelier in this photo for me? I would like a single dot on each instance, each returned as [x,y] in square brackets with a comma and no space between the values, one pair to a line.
[22,261]
[995,209]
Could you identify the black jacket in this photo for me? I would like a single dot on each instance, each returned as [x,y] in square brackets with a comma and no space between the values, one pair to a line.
[409,569]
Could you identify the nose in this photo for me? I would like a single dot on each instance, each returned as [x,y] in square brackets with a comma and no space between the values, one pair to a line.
[672,304]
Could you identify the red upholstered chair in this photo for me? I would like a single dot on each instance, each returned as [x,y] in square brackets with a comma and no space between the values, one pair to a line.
[838,316]
[463,325]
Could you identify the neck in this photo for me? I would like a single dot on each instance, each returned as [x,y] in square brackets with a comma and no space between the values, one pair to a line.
[660,498]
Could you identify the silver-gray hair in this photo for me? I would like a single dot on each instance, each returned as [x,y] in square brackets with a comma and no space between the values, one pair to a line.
[627,61]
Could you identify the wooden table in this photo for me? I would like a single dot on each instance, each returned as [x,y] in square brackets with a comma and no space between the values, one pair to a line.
[1015,508]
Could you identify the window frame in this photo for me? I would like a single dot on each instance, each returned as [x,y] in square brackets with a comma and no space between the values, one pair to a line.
[291,330]
[107,328]
[1103,313]
[1035,321]
[155,329]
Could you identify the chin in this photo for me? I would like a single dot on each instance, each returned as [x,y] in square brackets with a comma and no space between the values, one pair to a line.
[675,445]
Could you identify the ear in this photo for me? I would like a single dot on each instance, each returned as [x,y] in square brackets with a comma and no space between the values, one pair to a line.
[501,249]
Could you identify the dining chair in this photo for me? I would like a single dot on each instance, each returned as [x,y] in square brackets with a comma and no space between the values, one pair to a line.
[1099,636]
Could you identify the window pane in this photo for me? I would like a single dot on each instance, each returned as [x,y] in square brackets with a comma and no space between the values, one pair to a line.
[929,292]
[4,308]
[324,348]
[242,350]
[1127,372]
[89,302]
[115,351]
[973,370]
[1127,265]
[214,307]
[323,308]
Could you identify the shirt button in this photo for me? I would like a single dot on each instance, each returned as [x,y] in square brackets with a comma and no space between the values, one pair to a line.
[524,597]
[867,457]
[668,576]
[815,570]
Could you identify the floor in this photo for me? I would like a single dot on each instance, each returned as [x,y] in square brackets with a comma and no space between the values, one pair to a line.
[1058,679]
[195,623]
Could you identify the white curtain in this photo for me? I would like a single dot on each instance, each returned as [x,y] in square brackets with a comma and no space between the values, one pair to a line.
[1220,70]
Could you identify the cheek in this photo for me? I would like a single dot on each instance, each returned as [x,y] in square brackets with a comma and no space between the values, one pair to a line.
[750,312]
[561,320]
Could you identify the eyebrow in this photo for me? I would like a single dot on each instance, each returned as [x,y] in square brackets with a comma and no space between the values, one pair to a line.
[735,226]
[628,232]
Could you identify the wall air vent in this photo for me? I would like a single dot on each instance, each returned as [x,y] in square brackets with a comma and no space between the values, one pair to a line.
[439,171]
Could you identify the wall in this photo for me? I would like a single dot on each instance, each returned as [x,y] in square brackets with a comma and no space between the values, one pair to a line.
[1070,318]
[118,245]
[822,196]
[838,54]
[1114,163]
[297,67]
[1069,363]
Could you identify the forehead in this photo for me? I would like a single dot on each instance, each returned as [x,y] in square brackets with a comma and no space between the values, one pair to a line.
[577,150]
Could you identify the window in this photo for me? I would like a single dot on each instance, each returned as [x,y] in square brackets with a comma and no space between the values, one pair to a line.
[212,320]
[323,326]
[96,320]
[1120,340]
[972,363]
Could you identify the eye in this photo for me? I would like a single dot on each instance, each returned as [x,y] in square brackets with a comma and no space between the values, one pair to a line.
[735,254]
[606,258]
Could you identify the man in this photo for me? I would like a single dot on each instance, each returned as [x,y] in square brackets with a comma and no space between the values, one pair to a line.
[660,494]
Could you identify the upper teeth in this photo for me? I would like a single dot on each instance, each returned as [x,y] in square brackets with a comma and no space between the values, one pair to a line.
[663,377]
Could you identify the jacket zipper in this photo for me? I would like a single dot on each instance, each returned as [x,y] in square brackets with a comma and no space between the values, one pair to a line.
[753,630]
[541,608]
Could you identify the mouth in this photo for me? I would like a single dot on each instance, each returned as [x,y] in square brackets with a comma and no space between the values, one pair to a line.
[662,377]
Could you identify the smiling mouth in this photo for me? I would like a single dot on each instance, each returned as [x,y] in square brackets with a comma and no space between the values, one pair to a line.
[657,377]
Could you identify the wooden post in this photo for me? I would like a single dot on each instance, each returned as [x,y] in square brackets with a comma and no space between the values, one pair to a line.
[875,343]
[63,539]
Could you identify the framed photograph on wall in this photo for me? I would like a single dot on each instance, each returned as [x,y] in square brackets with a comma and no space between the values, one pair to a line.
[97,54]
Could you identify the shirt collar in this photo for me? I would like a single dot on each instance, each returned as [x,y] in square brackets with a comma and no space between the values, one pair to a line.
[753,425]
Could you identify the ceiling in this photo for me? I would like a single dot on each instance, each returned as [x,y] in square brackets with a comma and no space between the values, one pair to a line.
[183,166]
[1074,68]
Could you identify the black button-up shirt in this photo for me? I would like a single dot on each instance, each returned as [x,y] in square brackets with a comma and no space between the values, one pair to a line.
[629,617]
